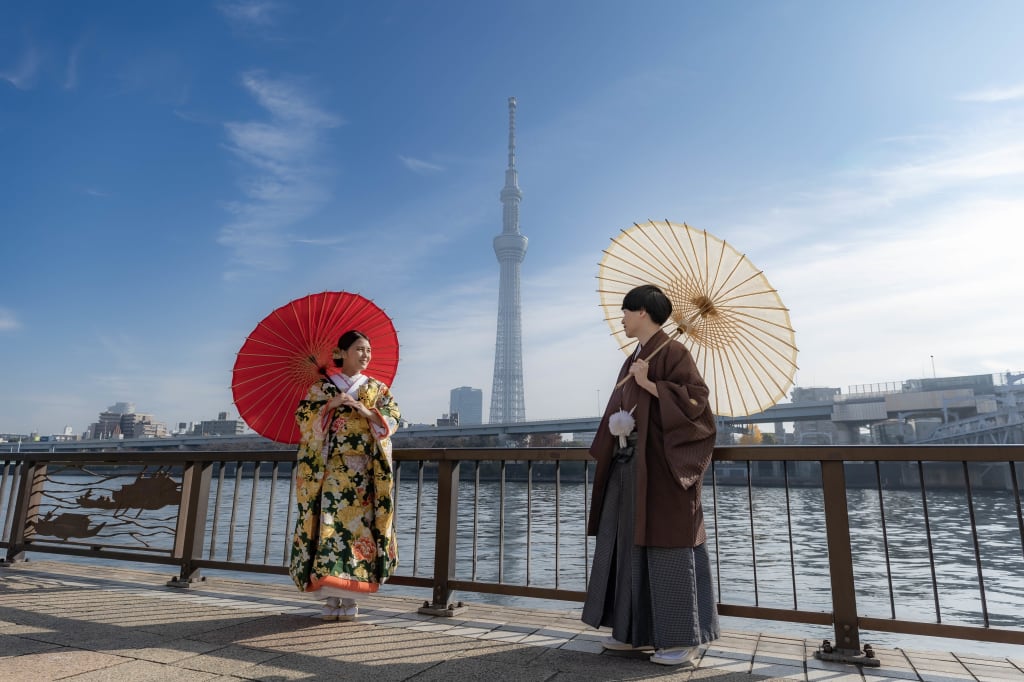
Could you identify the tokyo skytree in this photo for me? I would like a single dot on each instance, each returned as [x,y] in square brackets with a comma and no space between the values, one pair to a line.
[507,403]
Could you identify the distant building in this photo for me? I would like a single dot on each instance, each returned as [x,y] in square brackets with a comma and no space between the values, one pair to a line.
[818,432]
[448,420]
[142,426]
[468,403]
[14,437]
[121,421]
[221,426]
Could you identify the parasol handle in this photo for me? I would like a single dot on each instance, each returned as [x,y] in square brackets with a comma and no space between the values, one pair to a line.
[663,344]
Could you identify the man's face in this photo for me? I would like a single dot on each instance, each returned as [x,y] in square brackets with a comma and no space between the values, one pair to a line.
[631,321]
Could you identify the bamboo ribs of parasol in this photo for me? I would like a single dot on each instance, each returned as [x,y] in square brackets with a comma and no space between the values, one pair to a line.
[724,310]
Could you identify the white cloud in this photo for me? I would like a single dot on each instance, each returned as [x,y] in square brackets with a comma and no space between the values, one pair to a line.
[8,321]
[928,281]
[419,166]
[1004,94]
[930,175]
[288,102]
[249,13]
[71,70]
[284,183]
[569,358]
[22,75]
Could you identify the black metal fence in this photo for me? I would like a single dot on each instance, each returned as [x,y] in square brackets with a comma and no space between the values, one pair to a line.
[925,540]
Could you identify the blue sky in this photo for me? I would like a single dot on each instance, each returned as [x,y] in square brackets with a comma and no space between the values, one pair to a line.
[173,172]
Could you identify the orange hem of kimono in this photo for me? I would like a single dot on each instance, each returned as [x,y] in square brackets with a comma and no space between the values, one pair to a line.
[341,584]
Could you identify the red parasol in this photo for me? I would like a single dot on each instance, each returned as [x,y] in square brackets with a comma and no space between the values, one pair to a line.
[290,348]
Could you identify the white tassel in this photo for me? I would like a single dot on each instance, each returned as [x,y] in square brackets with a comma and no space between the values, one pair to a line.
[621,424]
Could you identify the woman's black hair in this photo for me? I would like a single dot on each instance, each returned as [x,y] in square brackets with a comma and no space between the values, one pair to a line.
[650,298]
[346,340]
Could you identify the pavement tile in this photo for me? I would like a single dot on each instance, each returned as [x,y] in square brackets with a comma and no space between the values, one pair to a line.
[226,629]
[305,668]
[776,671]
[463,631]
[85,635]
[555,632]
[833,666]
[54,665]
[915,654]
[488,624]
[888,672]
[604,666]
[930,676]
[143,671]
[11,645]
[587,645]
[595,635]
[430,627]
[541,640]
[498,635]
[716,652]
[228,660]
[844,675]
[724,665]
[970,659]
[482,669]
[503,652]
[939,665]
[517,627]
[779,657]
[995,672]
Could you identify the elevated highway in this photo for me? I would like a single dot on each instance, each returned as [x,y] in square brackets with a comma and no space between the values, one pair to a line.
[786,412]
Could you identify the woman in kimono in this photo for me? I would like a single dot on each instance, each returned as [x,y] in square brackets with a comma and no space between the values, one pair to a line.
[651,579]
[344,542]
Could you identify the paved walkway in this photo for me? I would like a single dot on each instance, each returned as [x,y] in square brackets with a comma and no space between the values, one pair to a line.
[62,621]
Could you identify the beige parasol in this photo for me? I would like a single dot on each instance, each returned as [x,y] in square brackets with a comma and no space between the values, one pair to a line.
[723,310]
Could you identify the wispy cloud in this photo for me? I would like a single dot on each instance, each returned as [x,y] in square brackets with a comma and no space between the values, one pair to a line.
[8,321]
[320,241]
[284,183]
[886,266]
[22,75]
[1003,94]
[249,13]
[71,71]
[956,166]
[419,166]
[569,359]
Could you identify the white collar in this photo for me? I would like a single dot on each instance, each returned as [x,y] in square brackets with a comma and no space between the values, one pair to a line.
[349,384]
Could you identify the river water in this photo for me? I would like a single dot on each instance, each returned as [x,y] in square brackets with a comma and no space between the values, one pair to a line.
[749,535]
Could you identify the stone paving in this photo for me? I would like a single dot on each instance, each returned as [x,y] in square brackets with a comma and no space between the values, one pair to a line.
[61,621]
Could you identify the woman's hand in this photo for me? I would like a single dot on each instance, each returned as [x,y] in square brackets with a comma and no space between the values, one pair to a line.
[345,400]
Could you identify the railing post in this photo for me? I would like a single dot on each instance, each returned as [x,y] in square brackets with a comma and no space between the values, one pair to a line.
[26,508]
[840,563]
[445,536]
[189,533]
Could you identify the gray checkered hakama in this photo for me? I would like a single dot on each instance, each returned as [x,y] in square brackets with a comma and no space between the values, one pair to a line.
[650,596]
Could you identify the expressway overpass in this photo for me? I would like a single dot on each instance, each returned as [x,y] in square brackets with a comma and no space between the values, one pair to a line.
[785,412]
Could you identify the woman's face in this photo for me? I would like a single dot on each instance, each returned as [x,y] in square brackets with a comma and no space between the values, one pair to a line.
[356,358]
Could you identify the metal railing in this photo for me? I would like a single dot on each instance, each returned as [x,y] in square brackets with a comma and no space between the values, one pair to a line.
[797,534]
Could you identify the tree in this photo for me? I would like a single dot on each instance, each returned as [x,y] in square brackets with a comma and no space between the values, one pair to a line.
[752,436]
[546,440]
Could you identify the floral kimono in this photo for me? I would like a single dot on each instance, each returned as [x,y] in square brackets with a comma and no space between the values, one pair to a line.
[344,535]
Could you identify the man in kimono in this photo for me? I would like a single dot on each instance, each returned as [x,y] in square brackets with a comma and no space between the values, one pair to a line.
[651,580]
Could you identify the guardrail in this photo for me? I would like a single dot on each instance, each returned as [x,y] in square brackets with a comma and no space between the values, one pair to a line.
[929,537]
